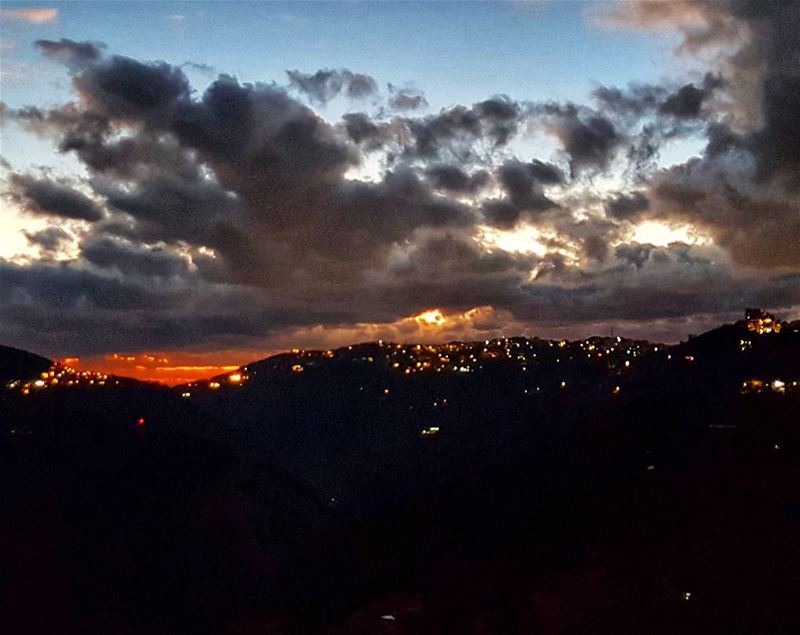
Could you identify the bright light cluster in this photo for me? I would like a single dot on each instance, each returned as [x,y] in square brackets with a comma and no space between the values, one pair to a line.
[58,376]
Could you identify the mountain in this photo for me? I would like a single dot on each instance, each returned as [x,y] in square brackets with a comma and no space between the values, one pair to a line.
[603,485]
[410,416]
[19,364]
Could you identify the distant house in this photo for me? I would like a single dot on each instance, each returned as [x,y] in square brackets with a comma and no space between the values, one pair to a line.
[761,322]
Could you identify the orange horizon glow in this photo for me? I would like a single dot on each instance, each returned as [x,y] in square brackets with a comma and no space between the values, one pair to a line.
[430,326]
[173,368]
[168,368]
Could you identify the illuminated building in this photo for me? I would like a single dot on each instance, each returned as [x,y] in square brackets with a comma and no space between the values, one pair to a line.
[761,322]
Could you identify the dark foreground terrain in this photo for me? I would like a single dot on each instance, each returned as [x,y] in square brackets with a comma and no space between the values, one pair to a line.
[507,486]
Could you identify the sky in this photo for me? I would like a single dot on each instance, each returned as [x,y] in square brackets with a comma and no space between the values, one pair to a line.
[187,187]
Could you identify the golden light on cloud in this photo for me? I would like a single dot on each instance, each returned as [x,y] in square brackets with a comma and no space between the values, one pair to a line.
[33,15]
[524,240]
[662,234]
[429,327]
[433,317]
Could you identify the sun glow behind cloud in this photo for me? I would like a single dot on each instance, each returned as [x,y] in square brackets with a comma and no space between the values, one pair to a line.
[662,234]
[428,327]
[434,317]
[524,240]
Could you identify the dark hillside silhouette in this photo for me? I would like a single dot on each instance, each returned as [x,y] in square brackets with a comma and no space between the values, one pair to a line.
[512,485]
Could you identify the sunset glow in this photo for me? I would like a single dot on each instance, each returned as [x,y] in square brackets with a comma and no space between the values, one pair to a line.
[172,208]
[165,368]
[433,317]
[414,317]
[663,234]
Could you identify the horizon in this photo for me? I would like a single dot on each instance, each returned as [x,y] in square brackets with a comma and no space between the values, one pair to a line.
[350,172]
[170,372]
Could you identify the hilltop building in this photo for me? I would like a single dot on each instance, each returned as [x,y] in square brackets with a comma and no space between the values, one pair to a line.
[761,322]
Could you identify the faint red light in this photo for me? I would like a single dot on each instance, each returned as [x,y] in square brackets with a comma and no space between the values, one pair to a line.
[140,421]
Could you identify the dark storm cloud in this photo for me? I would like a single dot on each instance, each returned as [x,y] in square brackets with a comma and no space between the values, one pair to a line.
[502,115]
[643,287]
[231,214]
[466,276]
[627,206]
[124,88]
[454,179]
[72,126]
[48,239]
[501,213]
[45,196]
[589,143]
[57,287]
[325,84]
[206,69]
[745,189]
[404,201]
[635,254]
[406,98]
[74,55]
[522,184]
[447,130]
[108,253]
[458,131]
[648,116]
[596,247]
[590,140]
[138,156]
[170,208]
[758,227]
[284,164]
[636,100]
[360,128]
[545,173]
[777,144]
[687,101]
[361,85]
[67,307]
[244,128]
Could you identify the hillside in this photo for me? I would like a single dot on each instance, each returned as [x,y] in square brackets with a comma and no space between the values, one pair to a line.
[19,364]
[511,485]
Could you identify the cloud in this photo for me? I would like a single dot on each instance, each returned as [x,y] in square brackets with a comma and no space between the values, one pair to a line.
[590,140]
[130,260]
[406,98]
[74,55]
[233,216]
[454,179]
[684,102]
[627,206]
[49,197]
[522,184]
[745,189]
[49,239]
[325,84]
[32,15]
